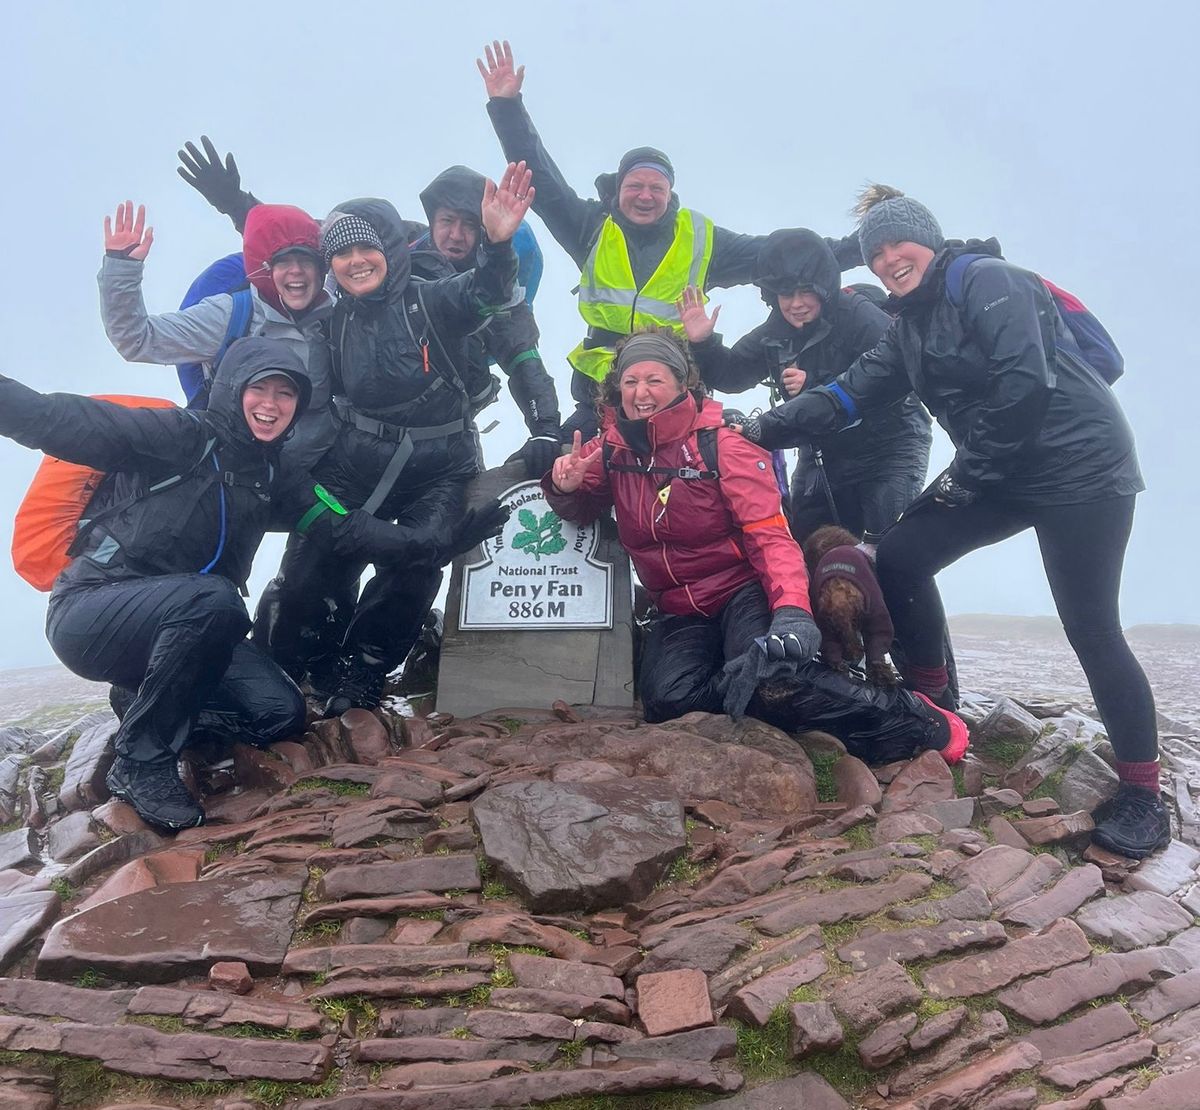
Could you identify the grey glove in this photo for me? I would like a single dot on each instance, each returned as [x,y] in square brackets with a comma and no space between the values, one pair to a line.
[793,636]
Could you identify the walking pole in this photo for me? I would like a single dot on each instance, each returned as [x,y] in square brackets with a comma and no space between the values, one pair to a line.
[823,479]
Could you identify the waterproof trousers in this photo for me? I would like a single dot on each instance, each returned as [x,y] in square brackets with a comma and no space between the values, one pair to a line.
[179,642]
[681,667]
[1083,551]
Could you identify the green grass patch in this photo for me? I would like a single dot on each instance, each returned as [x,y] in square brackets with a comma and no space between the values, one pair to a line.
[859,837]
[510,723]
[1050,786]
[683,870]
[649,1100]
[839,933]
[494,888]
[164,1023]
[570,1051]
[89,979]
[55,778]
[1007,752]
[479,997]
[931,1007]
[763,1053]
[334,786]
[842,1069]
[823,774]
[63,888]
[926,841]
[362,1010]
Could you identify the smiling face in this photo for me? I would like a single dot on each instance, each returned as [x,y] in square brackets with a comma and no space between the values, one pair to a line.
[644,196]
[799,307]
[269,406]
[359,269]
[297,279]
[901,266]
[647,388]
[455,234]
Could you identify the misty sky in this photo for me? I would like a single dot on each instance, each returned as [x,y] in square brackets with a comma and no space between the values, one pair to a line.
[1067,130]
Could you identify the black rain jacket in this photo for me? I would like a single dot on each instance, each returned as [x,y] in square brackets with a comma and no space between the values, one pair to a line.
[178,530]
[510,336]
[1032,424]
[849,325]
[381,371]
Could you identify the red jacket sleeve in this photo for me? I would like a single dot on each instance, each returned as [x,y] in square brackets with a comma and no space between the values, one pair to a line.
[592,499]
[752,496]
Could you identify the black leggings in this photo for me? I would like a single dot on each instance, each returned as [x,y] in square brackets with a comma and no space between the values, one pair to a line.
[1083,548]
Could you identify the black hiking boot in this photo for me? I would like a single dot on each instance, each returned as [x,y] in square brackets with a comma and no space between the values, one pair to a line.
[360,686]
[155,791]
[1134,823]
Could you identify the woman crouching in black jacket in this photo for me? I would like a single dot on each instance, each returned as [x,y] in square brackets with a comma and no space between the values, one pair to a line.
[150,602]
[1040,443]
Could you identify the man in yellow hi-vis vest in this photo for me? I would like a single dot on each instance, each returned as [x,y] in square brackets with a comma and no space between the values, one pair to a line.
[636,248]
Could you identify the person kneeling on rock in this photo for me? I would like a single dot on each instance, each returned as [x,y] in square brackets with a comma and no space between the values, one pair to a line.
[700,513]
[150,600]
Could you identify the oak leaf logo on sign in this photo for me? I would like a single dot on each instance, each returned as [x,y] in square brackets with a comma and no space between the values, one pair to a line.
[541,535]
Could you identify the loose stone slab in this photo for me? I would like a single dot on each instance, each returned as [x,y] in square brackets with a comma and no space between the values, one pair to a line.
[580,846]
[713,1043]
[91,757]
[1092,1029]
[18,848]
[566,1003]
[1064,943]
[806,1090]
[1167,871]
[23,916]
[215,1010]
[926,779]
[886,1043]
[429,873]
[969,1086]
[866,999]
[756,1001]
[1069,1072]
[138,1050]
[1077,886]
[1073,829]
[814,1028]
[773,954]
[397,1050]
[33,998]
[1137,920]
[1168,997]
[844,904]
[673,1001]
[924,942]
[415,958]
[1044,870]
[992,869]
[141,937]
[545,973]
[990,1028]
[1006,723]
[1047,997]
[969,904]
[856,785]
[937,1029]
[708,946]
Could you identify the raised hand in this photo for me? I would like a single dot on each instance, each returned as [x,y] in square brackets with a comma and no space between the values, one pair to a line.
[697,324]
[218,183]
[127,234]
[500,76]
[570,469]
[793,380]
[505,205]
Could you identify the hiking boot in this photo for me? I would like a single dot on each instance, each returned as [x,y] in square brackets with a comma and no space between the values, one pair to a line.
[1134,823]
[956,747]
[155,791]
[359,687]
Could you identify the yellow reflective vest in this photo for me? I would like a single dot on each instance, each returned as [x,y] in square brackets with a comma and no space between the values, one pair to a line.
[610,301]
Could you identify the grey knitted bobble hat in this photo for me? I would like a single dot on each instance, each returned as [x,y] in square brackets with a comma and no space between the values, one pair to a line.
[888,216]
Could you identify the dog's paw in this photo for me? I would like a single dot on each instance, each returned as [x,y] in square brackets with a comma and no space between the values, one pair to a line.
[883,675]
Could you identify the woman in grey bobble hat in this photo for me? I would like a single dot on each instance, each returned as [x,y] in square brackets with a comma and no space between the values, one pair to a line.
[1040,442]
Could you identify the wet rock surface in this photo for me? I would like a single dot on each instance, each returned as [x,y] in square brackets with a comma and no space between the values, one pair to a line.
[346,928]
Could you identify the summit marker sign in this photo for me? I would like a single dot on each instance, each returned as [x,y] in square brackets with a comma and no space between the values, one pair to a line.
[541,572]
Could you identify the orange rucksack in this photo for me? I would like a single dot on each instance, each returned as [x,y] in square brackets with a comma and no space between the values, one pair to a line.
[47,520]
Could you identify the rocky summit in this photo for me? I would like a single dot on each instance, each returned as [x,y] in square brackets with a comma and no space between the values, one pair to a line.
[571,908]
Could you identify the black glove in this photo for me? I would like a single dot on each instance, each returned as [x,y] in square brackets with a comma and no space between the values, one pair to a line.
[733,416]
[793,635]
[219,184]
[476,526]
[950,491]
[538,454]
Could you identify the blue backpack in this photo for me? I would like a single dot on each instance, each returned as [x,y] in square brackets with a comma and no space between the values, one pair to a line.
[226,275]
[1088,340]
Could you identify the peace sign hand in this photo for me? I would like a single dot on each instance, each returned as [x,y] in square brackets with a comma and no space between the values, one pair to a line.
[500,76]
[569,470]
[128,236]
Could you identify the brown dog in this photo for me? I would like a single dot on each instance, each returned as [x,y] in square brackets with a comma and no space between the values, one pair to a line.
[847,604]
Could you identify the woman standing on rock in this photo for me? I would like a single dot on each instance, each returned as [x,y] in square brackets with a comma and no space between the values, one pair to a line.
[700,514]
[1040,443]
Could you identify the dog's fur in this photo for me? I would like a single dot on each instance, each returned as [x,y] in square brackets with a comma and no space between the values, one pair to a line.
[838,609]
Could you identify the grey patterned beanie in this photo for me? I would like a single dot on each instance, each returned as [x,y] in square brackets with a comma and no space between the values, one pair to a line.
[342,229]
[899,219]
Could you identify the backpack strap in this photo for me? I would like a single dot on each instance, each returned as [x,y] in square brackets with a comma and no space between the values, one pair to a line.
[238,327]
[87,524]
[956,274]
[708,452]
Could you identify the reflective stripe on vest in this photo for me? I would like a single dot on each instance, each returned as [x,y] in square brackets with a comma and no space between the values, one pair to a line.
[610,300]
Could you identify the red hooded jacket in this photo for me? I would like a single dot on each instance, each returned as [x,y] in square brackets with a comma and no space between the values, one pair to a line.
[695,547]
[269,229]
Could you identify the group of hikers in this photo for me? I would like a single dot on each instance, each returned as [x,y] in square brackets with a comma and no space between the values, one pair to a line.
[333,387]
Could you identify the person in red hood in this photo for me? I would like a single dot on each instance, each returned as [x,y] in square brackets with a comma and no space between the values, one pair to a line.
[286,271]
[702,519]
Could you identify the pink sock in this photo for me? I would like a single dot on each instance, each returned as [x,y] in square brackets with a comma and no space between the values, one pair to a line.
[1143,774]
[929,680]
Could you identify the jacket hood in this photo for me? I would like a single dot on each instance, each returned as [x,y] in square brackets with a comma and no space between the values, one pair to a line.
[458,187]
[394,231]
[692,410]
[271,228]
[929,292]
[244,359]
[795,257]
